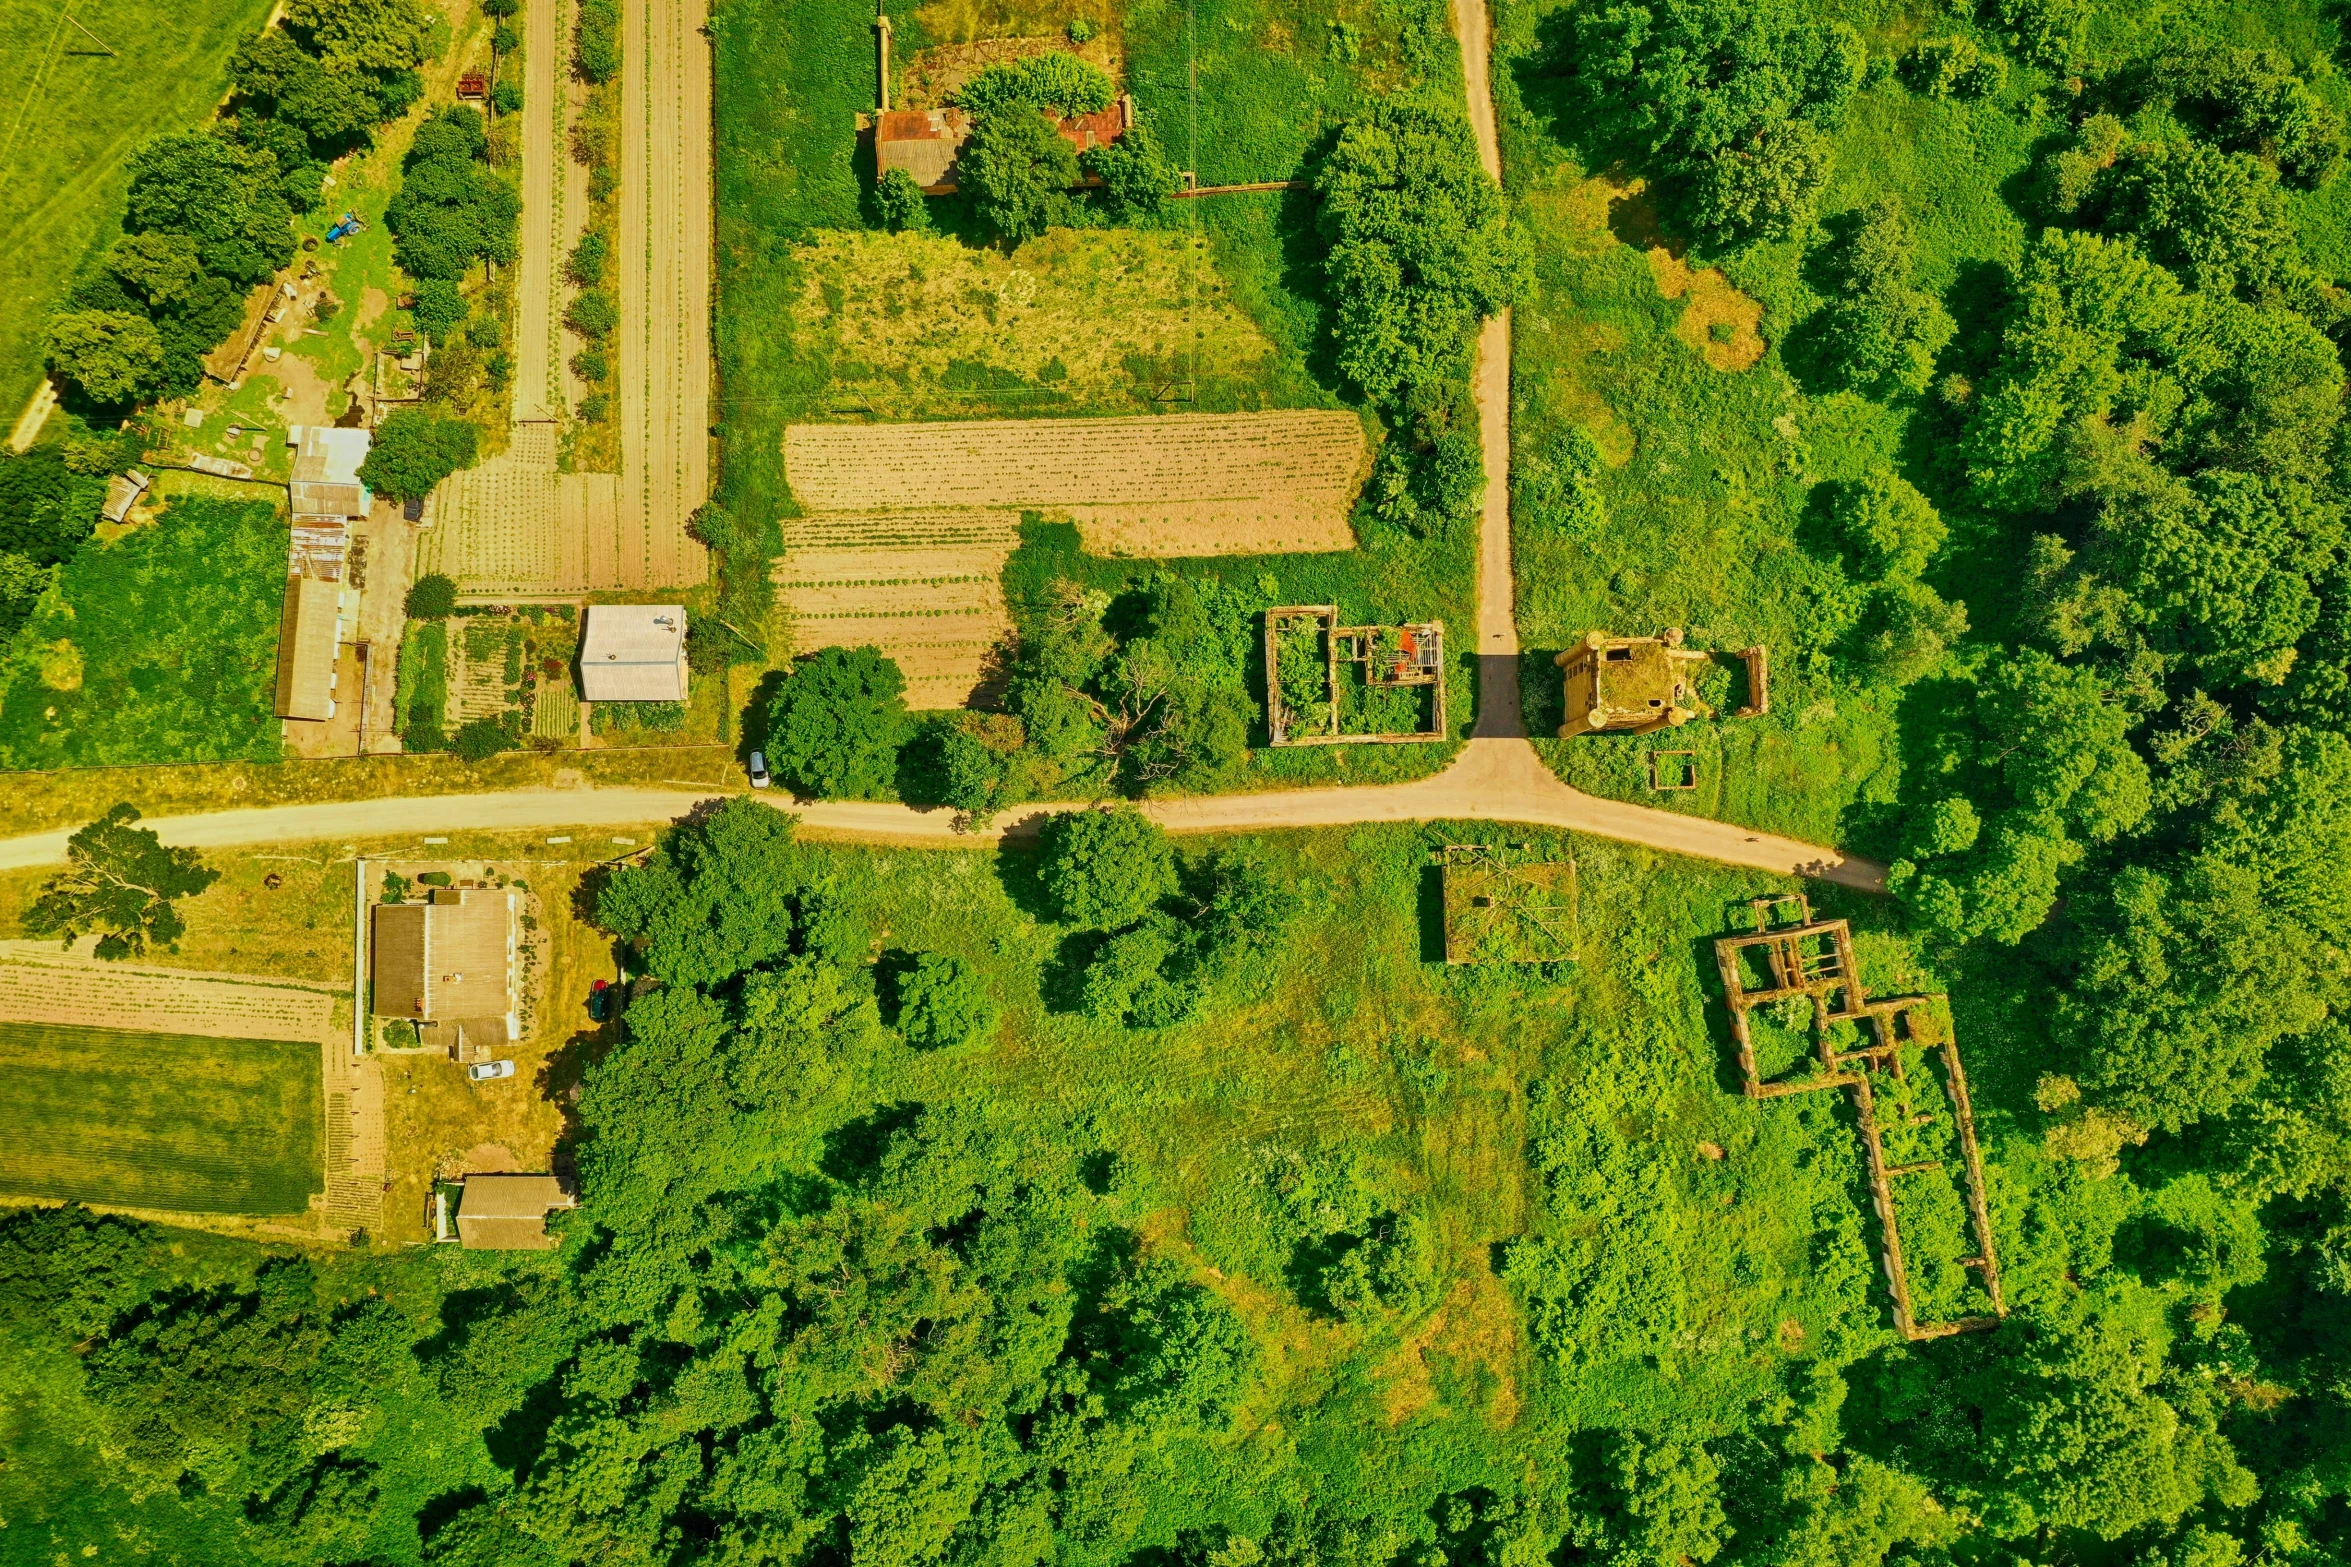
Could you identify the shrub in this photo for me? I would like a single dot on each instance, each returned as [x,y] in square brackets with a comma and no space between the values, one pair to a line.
[413,451]
[588,259]
[594,407]
[1080,30]
[506,97]
[593,315]
[452,210]
[1062,83]
[901,203]
[836,723]
[1887,526]
[596,49]
[432,597]
[1104,869]
[2045,32]
[589,364]
[1954,68]
[943,1004]
[479,739]
[1883,333]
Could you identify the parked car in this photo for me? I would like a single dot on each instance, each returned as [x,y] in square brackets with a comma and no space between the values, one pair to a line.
[489,1070]
[759,778]
[600,997]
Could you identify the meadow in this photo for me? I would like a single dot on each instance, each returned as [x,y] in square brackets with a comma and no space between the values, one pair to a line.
[158,647]
[69,114]
[167,1121]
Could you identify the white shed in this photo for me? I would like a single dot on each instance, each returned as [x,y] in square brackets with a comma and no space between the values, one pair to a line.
[634,653]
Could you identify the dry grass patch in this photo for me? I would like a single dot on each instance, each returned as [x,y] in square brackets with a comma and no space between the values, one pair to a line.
[919,325]
[930,78]
[1175,485]
[1719,321]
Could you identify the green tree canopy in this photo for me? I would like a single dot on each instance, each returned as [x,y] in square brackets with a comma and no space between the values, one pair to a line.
[112,355]
[226,198]
[835,725]
[1419,246]
[1105,869]
[944,1004]
[1017,167]
[121,883]
[413,451]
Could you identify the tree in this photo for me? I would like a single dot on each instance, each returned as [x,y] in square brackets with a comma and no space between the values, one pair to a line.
[1764,191]
[452,209]
[2078,1432]
[1105,869]
[1886,525]
[716,897]
[112,355]
[432,596]
[588,259]
[1419,249]
[441,308]
[835,725]
[2253,100]
[1017,166]
[1135,172]
[367,35]
[1954,68]
[943,1003]
[479,739]
[228,199]
[121,882]
[596,49]
[1885,332]
[1055,82]
[2217,218]
[1668,1503]
[413,451]
[900,203]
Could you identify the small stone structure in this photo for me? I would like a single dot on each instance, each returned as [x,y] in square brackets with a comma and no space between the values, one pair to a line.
[1812,960]
[1390,657]
[1633,685]
[1505,905]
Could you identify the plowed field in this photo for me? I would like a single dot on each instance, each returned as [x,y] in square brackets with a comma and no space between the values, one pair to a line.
[1183,484]
[111,998]
[921,586]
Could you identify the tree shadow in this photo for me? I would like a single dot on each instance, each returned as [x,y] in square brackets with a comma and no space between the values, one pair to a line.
[755,716]
[516,1441]
[1061,982]
[889,971]
[853,1152]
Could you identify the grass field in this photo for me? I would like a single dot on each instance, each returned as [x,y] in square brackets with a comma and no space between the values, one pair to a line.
[159,647]
[69,115]
[158,1120]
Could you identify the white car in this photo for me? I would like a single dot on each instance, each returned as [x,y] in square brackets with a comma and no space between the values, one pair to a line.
[759,778]
[490,1070]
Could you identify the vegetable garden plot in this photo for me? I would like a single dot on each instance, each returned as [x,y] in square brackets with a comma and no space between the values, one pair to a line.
[115,998]
[1328,684]
[922,586]
[171,1121]
[1178,485]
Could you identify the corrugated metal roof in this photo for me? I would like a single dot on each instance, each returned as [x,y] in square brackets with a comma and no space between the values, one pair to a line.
[509,1212]
[306,650]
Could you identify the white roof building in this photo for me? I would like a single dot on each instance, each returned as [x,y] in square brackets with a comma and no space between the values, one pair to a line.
[634,653]
[325,482]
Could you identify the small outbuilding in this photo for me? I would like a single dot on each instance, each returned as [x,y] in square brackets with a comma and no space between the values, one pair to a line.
[450,963]
[122,493]
[633,653]
[509,1212]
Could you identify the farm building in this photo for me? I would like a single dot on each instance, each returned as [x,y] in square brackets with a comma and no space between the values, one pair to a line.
[309,630]
[325,481]
[449,964]
[634,653]
[1638,684]
[505,1212]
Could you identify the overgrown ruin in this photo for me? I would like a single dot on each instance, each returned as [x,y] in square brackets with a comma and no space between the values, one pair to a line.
[1506,904]
[1633,685]
[1328,684]
[1810,961]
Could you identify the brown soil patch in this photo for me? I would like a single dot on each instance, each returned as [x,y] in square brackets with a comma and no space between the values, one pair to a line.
[1712,303]
[1180,484]
[56,987]
[487,1159]
[923,587]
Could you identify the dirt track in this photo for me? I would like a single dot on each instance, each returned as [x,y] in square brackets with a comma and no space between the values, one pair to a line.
[1497,777]
[515,527]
